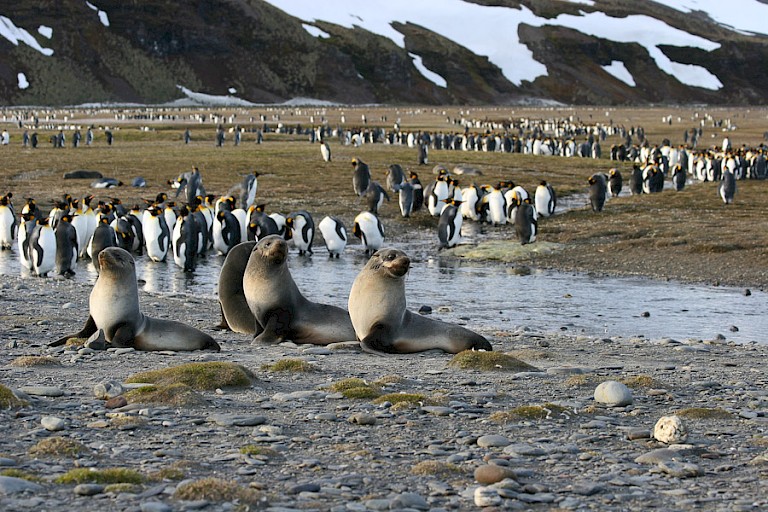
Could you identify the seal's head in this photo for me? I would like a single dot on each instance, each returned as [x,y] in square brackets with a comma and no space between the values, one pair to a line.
[116,260]
[394,263]
[273,249]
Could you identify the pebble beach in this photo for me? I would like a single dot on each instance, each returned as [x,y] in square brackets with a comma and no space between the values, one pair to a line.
[428,434]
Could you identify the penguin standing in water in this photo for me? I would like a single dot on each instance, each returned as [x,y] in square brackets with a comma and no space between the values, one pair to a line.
[375,196]
[250,186]
[226,232]
[184,241]
[405,199]
[597,191]
[66,246]
[325,151]
[369,230]
[42,248]
[615,182]
[636,181]
[8,224]
[302,230]
[361,178]
[678,177]
[335,235]
[470,199]
[435,193]
[156,234]
[261,224]
[545,199]
[727,188]
[103,237]
[449,225]
[418,192]
[526,223]
[26,226]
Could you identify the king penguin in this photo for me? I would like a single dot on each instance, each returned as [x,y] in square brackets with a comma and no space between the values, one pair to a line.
[226,232]
[678,177]
[727,188]
[526,225]
[66,246]
[395,177]
[325,150]
[362,176]
[335,235]
[545,200]
[494,198]
[302,230]
[636,181]
[250,186]
[42,248]
[375,196]
[103,237]
[449,225]
[615,182]
[8,223]
[370,231]
[470,199]
[405,199]
[26,226]
[597,191]
[184,241]
[418,192]
[157,236]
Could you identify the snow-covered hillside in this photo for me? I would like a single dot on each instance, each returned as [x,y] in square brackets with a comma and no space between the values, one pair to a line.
[492,31]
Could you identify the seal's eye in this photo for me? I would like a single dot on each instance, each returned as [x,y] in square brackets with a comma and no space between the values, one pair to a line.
[390,256]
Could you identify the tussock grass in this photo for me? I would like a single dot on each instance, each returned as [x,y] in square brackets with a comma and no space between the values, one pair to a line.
[489,361]
[57,447]
[198,376]
[100,476]
[28,361]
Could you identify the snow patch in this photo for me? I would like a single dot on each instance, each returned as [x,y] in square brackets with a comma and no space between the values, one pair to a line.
[315,32]
[102,15]
[195,99]
[302,102]
[18,35]
[619,71]
[743,16]
[426,72]
[232,90]
[590,3]
[22,78]
[46,32]
[470,25]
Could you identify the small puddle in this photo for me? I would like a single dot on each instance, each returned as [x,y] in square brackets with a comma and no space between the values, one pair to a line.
[492,296]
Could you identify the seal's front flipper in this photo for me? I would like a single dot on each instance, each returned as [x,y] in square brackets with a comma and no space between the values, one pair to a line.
[275,328]
[378,341]
[85,332]
[124,336]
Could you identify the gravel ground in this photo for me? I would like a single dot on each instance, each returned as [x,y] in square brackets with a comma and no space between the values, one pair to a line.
[458,447]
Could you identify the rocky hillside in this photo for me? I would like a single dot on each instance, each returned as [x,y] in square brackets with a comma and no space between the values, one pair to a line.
[64,52]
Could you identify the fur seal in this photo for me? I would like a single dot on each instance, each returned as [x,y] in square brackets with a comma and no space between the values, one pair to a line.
[383,324]
[114,308]
[281,311]
[235,314]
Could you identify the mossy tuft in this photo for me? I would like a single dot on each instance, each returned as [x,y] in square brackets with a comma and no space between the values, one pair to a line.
[216,490]
[176,395]
[704,413]
[530,412]
[489,361]
[289,365]
[255,449]
[27,361]
[18,473]
[641,381]
[122,487]
[75,342]
[9,401]
[403,398]
[57,447]
[100,476]
[354,388]
[198,376]
[436,468]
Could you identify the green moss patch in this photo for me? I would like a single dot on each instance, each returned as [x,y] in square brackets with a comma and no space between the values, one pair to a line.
[57,447]
[255,449]
[355,388]
[199,376]
[9,401]
[489,361]
[436,468]
[100,476]
[18,473]
[176,395]
[530,412]
[289,365]
[641,381]
[403,398]
[216,490]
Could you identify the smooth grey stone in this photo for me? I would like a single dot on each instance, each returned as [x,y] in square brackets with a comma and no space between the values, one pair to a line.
[53,423]
[298,395]
[235,420]
[12,485]
[409,500]
[88,489]
[362,418]
[50,391]
[155,506]
[564,370]
[437,410]
[657,456]
[108,389]
[121,351]
[317,351]
[492,440]
[523,449]
[487,497]
[680,469]
[613,393]
[307,487]
[6,462]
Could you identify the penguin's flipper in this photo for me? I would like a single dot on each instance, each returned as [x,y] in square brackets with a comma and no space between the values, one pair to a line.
[378,341]
[123,336]
[85,332]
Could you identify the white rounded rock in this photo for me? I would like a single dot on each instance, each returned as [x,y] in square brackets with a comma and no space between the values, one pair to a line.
[487,497]
[612,393]
[670,430]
